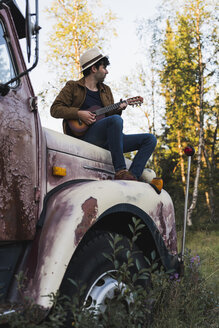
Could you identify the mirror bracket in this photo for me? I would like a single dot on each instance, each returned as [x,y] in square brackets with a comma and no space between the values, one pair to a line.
[4,88]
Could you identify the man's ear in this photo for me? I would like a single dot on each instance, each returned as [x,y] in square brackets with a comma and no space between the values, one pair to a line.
[93,69]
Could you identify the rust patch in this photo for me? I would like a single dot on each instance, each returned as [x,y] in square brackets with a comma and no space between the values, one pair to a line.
[90,209]
[173,241]
[164,218]
[45,239]
[17,168]
[170,236]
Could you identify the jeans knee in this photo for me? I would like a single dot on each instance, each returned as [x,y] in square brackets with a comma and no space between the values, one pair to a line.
[116,120]
[153,140]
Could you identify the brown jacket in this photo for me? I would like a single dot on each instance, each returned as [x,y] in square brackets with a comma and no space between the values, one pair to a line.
[71,98]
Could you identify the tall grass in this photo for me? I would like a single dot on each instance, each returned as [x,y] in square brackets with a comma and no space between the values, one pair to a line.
[205,243]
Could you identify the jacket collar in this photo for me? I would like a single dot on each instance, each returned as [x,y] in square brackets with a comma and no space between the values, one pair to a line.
[81,82]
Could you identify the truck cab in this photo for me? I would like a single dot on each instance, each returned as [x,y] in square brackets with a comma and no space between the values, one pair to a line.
[58,193]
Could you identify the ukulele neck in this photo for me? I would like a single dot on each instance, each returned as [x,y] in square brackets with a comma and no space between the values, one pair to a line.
[107,109]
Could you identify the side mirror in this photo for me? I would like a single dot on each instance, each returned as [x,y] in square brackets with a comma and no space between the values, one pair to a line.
[28,30]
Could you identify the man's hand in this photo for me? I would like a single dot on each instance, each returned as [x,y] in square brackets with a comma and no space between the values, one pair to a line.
[123,104]
[87,117]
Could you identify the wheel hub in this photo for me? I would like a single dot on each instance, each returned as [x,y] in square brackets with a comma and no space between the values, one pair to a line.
[103,288]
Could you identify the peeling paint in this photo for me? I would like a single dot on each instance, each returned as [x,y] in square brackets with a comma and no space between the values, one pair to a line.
[164,218]
[17,169]
[90,211]
[76,168]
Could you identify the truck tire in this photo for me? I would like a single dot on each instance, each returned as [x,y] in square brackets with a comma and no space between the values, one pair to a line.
[95,273]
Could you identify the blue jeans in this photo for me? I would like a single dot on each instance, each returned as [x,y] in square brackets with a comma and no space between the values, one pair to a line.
[107,133]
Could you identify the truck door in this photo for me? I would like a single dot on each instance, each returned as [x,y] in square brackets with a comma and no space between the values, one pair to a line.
[19,140]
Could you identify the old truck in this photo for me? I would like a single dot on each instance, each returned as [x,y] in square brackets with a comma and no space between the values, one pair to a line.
[58,197]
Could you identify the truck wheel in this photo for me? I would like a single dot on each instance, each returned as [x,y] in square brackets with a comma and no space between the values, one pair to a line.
[94,272]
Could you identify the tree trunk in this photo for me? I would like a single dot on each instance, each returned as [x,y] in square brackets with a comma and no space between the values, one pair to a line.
[210,201]
[152,95]
[201,114]
[195,190]
[182,166]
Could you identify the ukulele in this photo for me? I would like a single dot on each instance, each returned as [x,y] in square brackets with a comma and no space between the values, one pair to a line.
[78,128]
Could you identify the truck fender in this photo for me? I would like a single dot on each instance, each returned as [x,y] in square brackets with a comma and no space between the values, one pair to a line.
[68,214]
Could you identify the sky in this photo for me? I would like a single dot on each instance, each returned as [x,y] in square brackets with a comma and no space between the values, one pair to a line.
[123,52]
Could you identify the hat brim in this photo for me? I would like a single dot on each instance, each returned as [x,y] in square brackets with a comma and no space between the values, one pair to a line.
[92,62]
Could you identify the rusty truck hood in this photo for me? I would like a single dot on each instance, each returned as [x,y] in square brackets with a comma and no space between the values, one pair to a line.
[80,159]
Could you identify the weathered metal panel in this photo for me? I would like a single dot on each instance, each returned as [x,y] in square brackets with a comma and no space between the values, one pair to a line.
[76,168]
[18,159]
[73,146]
[70,213]
[81,160]
[163,216]
[17,172]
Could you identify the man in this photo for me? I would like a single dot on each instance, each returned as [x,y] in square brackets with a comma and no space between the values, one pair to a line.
[73,103]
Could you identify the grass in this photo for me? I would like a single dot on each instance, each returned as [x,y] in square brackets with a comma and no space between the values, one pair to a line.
[205,243]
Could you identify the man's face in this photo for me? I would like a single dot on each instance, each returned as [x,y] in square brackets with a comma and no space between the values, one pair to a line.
[100,73]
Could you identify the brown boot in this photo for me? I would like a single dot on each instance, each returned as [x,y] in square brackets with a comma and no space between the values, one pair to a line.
[124,175]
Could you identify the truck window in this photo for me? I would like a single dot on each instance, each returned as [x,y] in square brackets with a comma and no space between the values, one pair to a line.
[7,71]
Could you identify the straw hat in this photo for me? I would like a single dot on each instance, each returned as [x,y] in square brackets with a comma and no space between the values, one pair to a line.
[90,57]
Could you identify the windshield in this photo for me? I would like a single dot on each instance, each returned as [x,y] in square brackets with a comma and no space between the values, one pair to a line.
[7,71]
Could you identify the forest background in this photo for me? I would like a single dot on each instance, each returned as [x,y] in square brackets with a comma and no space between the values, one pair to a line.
[175,71]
